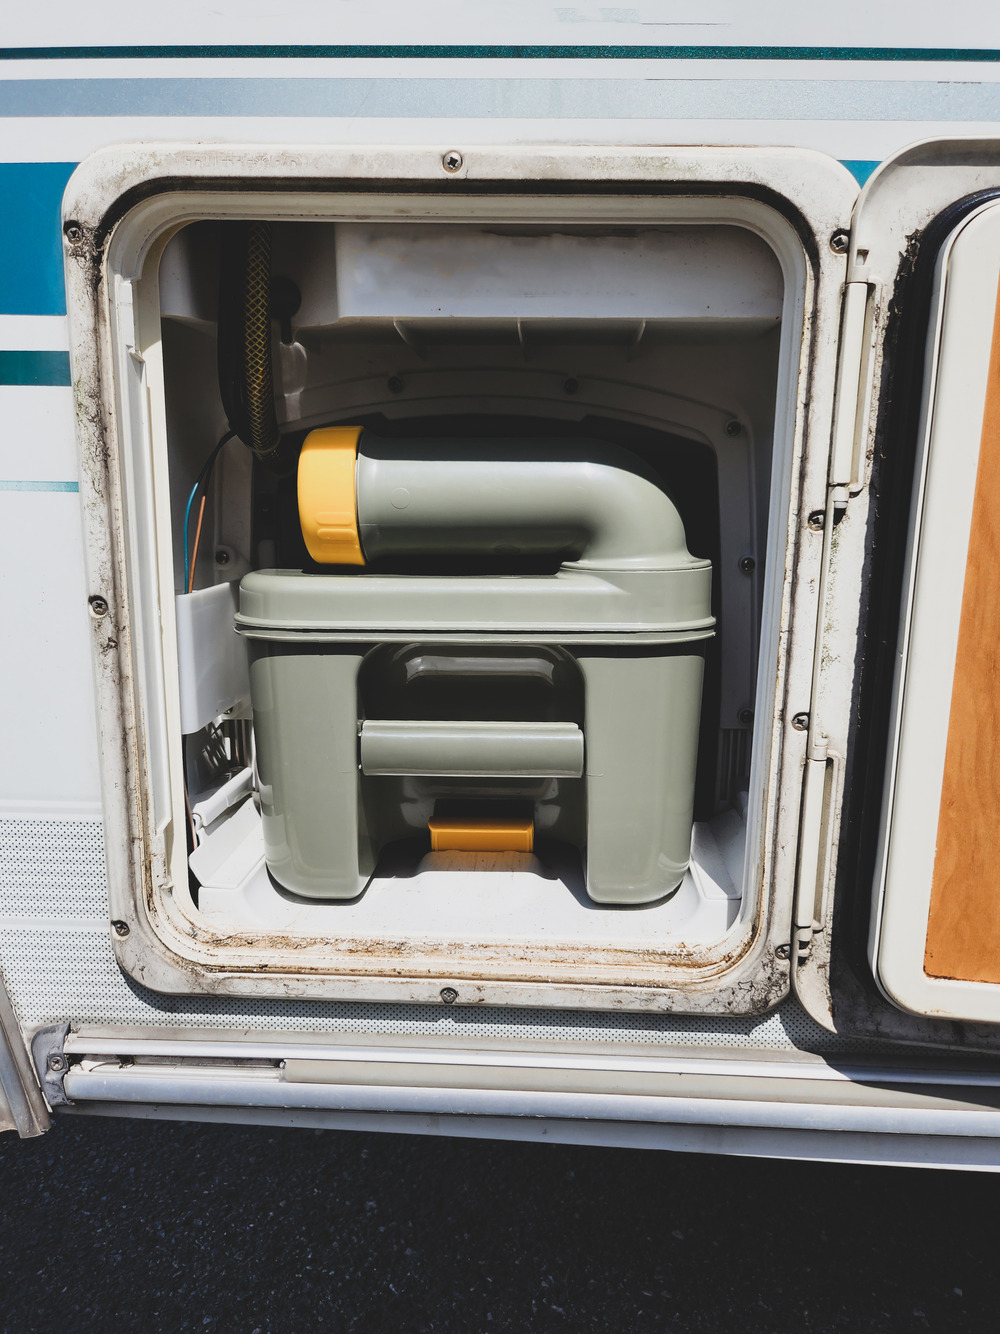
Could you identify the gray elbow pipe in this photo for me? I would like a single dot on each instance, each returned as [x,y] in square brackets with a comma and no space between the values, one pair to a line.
[591,504]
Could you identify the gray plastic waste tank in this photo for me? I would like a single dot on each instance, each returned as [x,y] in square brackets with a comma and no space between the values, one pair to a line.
[379,696]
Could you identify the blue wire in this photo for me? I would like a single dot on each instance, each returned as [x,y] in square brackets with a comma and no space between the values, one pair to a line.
[205,470]
[187,516]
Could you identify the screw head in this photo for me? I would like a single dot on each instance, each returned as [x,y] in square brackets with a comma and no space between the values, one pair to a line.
[394,384]
[801,722]
[452,161]
[571,386]
[222,556]
[56,1062]
[783,951]
[120,928]
[745,717]
[840,242]
[73,233]
[747,565]
[449,995]
[98,605]
[734,428]
[816,521]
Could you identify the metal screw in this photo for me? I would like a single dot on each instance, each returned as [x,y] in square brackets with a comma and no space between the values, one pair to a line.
[120,928]
[394,384]
[745,717]
[449,995]
[57,1062]
[222,556]
[571,386]
[783,951]
[747,565]
[98,605]
[839,242]
[801,722]
[816,521]
[74,233]
[452,161]
[734,428]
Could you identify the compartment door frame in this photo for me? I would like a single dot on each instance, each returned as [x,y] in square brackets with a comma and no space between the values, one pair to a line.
[119,206]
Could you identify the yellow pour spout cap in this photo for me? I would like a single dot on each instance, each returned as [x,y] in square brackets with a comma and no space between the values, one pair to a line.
[328,509]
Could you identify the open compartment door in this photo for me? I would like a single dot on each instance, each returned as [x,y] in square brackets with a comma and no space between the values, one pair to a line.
[935,939]
[904,938]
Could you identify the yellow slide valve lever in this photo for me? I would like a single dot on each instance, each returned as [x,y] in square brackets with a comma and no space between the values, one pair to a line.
[482,835]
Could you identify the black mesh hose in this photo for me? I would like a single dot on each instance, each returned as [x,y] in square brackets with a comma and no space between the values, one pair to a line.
[262,425]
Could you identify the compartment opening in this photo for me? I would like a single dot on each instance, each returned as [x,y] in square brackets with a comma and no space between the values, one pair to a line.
[656,346]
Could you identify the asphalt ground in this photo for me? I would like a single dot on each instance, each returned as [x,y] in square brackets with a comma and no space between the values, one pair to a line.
[125,1225]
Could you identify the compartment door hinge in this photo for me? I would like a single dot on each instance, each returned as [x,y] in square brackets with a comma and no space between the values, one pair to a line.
[815,845]
[852,395]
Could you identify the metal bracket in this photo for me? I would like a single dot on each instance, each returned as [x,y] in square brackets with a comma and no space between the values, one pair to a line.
[853,389]
[820,785]
[22,1107]
[125,293]
[51,1062]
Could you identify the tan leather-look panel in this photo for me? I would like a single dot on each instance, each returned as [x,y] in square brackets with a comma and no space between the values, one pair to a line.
[963,928]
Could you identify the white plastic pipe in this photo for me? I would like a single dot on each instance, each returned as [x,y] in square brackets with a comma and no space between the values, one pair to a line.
[590,504]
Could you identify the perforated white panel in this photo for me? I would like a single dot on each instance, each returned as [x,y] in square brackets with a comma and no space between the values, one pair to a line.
[52,868]
[55,951]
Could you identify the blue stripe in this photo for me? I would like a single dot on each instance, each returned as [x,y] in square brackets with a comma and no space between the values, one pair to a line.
[859,170]
[407,52]
[44,368]
[519,97]
[31,277]
[39,486]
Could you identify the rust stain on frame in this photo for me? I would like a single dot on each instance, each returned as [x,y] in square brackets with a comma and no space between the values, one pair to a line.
[963,927]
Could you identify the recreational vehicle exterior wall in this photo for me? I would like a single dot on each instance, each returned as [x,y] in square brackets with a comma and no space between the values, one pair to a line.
[499,515]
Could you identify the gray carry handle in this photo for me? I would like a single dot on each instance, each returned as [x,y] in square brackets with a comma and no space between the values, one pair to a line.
[471,749]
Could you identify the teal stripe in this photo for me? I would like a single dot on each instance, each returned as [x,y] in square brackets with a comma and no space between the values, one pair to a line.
[267,52]
[859,170]
[31,261]
[46,368]
[39,486]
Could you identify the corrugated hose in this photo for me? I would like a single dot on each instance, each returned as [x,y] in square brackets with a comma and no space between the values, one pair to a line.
[262,425]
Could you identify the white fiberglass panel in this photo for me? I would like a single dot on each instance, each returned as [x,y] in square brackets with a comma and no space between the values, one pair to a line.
[412,272]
